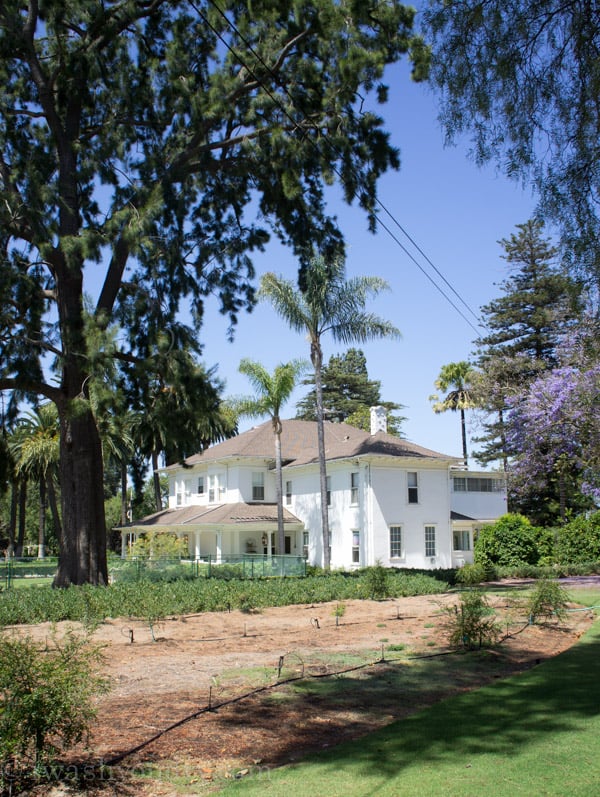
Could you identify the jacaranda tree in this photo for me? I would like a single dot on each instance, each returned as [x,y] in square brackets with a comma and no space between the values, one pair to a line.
[147,147]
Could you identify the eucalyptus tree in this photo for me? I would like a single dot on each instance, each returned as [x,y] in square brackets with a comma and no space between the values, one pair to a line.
[137,140]
[271,392]
[327,303]
[456,378]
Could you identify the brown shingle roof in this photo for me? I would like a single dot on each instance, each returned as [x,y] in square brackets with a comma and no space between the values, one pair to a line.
[299,444]
[218,514]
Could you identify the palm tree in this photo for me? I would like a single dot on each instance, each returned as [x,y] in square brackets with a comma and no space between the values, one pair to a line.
[457,377]
[327,303]
[35,448]
[271,393]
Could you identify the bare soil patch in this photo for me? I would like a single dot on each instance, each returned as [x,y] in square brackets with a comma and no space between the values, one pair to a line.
[164,679]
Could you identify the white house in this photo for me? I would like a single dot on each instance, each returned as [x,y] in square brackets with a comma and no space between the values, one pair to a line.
[389,500]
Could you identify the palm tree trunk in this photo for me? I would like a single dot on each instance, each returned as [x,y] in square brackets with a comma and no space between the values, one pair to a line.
[42,520]
[22,511]
[124,517]
[279,487]
[156,482]
[317,361]
[12,524]
[54,508]
[463,428]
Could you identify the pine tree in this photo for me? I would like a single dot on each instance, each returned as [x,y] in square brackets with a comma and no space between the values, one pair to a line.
[525,326]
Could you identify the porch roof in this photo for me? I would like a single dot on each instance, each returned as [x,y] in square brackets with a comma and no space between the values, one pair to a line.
[215,515]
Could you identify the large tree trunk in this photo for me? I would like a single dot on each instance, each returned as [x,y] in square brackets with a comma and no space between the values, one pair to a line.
[463,429]
[317,361]
[22,514]
[82,556]
[12,524]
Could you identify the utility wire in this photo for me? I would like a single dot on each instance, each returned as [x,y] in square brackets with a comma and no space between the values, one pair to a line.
[326,138]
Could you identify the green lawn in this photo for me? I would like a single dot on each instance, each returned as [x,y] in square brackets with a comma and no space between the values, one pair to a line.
[534,734]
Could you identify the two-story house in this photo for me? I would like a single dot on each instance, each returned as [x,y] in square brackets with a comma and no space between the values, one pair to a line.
[389,500]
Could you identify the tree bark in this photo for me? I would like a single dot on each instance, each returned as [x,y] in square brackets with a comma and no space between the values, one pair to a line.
[82,556]
[463,429]
[279,487]
[156,482]
[42,520]
[316,356]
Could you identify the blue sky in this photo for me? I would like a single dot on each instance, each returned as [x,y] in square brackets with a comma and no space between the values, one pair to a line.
[456,213]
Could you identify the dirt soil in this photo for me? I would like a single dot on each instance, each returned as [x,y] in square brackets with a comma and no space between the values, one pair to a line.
[165,679]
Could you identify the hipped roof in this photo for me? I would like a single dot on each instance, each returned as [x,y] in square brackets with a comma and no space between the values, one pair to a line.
[299,445]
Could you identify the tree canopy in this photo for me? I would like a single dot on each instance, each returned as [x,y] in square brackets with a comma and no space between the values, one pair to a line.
[348,394]
[147,148]
[523,79]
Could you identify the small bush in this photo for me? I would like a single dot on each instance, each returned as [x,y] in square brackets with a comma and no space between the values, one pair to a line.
[471,623]
[45,696]
[470,575]
[376,582]
[547,599]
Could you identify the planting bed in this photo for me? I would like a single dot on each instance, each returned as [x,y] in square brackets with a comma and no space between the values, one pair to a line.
[172,672]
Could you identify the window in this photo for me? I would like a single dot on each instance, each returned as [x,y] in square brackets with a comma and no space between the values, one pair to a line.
[179,493]
[355,546]
[288,493]
[305,541]
[477,484]
[413,488]
[461,540]
[396,551]
[215,488]
[354,488]
[258,486]
[429,540]
[329,491]
[200,487]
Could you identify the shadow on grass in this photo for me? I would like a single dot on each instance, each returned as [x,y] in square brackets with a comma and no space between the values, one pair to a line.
[498,719]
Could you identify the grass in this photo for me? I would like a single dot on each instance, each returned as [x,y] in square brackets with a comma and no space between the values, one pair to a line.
[536,733]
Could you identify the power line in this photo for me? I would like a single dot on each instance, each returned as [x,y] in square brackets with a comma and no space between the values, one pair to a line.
[326,138]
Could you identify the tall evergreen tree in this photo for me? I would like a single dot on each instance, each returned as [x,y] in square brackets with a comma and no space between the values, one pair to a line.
[134,139]
[348,394]
[539,304]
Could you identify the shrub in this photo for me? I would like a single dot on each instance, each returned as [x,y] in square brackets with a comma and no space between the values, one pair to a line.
[376,582]
[45,696]
[578,541]
[471,623]
[547,599]
[470,575]
[510,541]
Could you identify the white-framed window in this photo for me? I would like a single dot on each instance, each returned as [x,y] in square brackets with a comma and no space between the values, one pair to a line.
[305,543]
[354,487]
[329,491]
[461,540]
[179,493]
[477,484]
[288,492]
[396,549]
[200,486]
[412,480]
[258,486]
[430,541]
[355,546]
[216,488]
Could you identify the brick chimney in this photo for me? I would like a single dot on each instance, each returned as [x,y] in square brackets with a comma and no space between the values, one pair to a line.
[378,420]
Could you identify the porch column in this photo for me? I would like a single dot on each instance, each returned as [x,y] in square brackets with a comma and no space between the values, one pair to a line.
[124,535]
[197,545]
[219,547]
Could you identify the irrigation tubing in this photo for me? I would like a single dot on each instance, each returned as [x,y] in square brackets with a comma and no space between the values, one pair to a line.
[282,682]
